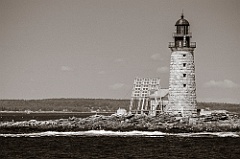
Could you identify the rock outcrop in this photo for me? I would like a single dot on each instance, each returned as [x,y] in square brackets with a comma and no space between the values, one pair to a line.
[162,122]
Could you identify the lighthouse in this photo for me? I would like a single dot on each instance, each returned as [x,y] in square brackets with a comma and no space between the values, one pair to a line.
[182,85]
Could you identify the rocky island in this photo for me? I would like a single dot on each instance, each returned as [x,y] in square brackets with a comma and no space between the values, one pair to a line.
[216,122]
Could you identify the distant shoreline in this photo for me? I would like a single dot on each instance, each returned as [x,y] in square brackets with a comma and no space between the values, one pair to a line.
[63,112]
[90,105]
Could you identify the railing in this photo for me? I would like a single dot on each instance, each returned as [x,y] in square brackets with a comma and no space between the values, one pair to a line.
[171,44]
[191,45]
[181,35]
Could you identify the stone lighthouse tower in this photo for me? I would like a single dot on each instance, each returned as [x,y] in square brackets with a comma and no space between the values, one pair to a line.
[182,86]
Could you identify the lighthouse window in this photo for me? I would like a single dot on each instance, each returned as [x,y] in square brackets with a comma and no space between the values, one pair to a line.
[184,85]
[184,55]
[184,64]
[184,75]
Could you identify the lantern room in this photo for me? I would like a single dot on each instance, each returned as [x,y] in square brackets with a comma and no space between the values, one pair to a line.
[182,35]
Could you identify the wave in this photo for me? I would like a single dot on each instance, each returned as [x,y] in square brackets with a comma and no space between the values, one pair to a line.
[123,134]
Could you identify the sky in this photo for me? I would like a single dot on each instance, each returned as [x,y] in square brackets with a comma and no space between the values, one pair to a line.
[95,48]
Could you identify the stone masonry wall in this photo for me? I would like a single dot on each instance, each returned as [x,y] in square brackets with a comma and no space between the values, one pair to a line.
[182,86]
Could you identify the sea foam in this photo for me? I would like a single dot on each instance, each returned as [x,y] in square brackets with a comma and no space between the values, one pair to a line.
[123,134]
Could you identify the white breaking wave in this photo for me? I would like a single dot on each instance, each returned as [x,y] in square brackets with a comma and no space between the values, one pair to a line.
[124,134]
[209,134]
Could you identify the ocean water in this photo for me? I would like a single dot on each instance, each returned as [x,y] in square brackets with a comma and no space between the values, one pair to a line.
[114,145]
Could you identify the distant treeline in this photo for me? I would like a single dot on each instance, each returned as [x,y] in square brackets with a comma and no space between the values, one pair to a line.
[80,105]
[87,105]
[219,106]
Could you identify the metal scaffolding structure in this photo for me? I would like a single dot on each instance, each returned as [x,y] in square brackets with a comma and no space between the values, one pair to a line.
[147,96]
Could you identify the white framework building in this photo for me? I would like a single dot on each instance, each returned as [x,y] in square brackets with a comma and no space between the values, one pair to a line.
[147,96]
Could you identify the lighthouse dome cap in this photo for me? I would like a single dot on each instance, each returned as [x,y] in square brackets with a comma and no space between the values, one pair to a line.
[182,22]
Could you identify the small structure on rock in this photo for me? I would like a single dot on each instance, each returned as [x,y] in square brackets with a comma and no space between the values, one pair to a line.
[121,112]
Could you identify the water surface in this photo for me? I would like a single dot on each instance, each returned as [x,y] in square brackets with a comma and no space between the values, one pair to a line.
[136,144]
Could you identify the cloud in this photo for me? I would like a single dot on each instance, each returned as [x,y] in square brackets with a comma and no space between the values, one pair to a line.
[66,68]
[222,84]
[101,72]
[116,86]
[119,60]
[163,69]
[156,57]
